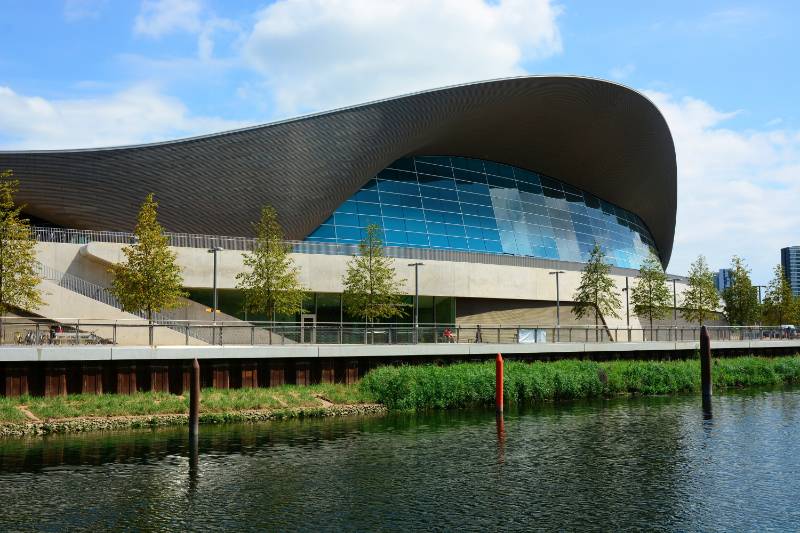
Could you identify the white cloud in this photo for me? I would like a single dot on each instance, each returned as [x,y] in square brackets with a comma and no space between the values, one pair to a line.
[317,54]
[160,17]
[76,10]
[136,115]
[738,191]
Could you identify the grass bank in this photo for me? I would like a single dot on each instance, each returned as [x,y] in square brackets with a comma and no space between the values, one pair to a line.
[472,384]
[404,387]
[214,402]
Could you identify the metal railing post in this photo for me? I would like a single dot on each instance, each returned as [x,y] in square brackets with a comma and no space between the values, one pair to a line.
[77,333]
[114,333]
[252,334]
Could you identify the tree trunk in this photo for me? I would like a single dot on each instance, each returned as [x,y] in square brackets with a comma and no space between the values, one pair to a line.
[150,325]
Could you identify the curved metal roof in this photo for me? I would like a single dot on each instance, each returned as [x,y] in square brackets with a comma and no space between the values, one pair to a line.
[599,136]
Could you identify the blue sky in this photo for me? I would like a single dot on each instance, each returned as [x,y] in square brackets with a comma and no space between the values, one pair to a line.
[81,73]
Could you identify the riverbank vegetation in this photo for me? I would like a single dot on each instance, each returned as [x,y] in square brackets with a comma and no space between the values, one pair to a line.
[285,398]
[406,388]
[472,384]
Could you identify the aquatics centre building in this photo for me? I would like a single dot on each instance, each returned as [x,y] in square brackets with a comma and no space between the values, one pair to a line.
[492,185]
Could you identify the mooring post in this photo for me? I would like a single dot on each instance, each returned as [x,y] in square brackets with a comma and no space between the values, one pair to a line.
[194,401]
[705,367]
[498,370]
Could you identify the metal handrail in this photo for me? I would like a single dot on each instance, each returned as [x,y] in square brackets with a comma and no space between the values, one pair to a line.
[245,244]
[84,331]
[95,292]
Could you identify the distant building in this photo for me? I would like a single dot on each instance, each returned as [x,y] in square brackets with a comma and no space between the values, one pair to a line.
[723,279]
[790,259]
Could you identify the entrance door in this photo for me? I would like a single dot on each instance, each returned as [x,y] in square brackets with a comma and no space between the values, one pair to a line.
[308,329]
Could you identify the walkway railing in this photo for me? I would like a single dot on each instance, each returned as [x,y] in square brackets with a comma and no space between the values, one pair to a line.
[95,292]
[190,240]
[135,332]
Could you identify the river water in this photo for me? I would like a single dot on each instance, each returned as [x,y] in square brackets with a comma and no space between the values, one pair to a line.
[650,463]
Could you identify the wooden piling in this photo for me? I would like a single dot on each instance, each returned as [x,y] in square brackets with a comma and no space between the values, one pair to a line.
[194,401]
[705,366]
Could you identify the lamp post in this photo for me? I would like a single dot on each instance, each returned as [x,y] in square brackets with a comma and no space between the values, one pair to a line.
[626,290]
[416,299]
[558,304]
[674,306]
[214,251]
[674,300]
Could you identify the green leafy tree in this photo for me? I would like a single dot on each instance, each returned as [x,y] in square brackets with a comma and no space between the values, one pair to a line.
[741,298]
[19,282]
[700,300]
[781,306]
[372,289]
[271,284]
[650,296]
[596,293]
[149,280]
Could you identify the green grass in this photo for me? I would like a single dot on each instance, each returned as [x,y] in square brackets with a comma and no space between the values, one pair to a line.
[74,405]
[468,384]
[432,387]
[151,403]
[9,411]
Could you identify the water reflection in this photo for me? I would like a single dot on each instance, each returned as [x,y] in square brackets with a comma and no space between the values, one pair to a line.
[500,424]
[643,463]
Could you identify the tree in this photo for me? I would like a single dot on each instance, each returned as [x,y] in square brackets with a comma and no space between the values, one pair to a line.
[371,287]
[596,291]
[149,280]
[650,296]
[700,300]
[19,282]
[271,285]
[741,298]
[781,306]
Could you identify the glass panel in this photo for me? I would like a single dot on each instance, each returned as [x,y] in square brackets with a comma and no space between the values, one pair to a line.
[328,307]
[535,214]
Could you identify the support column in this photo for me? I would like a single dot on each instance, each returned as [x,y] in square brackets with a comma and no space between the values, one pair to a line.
[220,375]
[91,379]
[250,374]
[326,371]
[302,373]
[184,377]
[277,373]
[159,377]
[55,380]
[16,381]
[126,378]
[351,372]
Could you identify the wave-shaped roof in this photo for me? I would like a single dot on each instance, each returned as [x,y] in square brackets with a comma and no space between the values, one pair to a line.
[599,136]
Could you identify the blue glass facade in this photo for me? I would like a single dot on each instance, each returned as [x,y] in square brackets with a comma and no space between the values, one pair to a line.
[472,205]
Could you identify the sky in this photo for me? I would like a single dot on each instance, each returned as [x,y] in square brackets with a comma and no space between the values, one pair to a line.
[86,73]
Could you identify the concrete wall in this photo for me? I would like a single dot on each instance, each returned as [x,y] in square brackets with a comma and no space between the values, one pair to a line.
[323,273]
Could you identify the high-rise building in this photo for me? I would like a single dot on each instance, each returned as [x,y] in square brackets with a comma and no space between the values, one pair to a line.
[723,279]
[790,259]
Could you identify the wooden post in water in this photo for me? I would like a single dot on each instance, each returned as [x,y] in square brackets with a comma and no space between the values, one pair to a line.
[498,395]
[194,401]
[705,367]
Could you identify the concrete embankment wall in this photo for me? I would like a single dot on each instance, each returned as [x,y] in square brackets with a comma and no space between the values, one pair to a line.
[53,371]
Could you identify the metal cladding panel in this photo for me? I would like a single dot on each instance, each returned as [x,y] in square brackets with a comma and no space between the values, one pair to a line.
[596,135]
